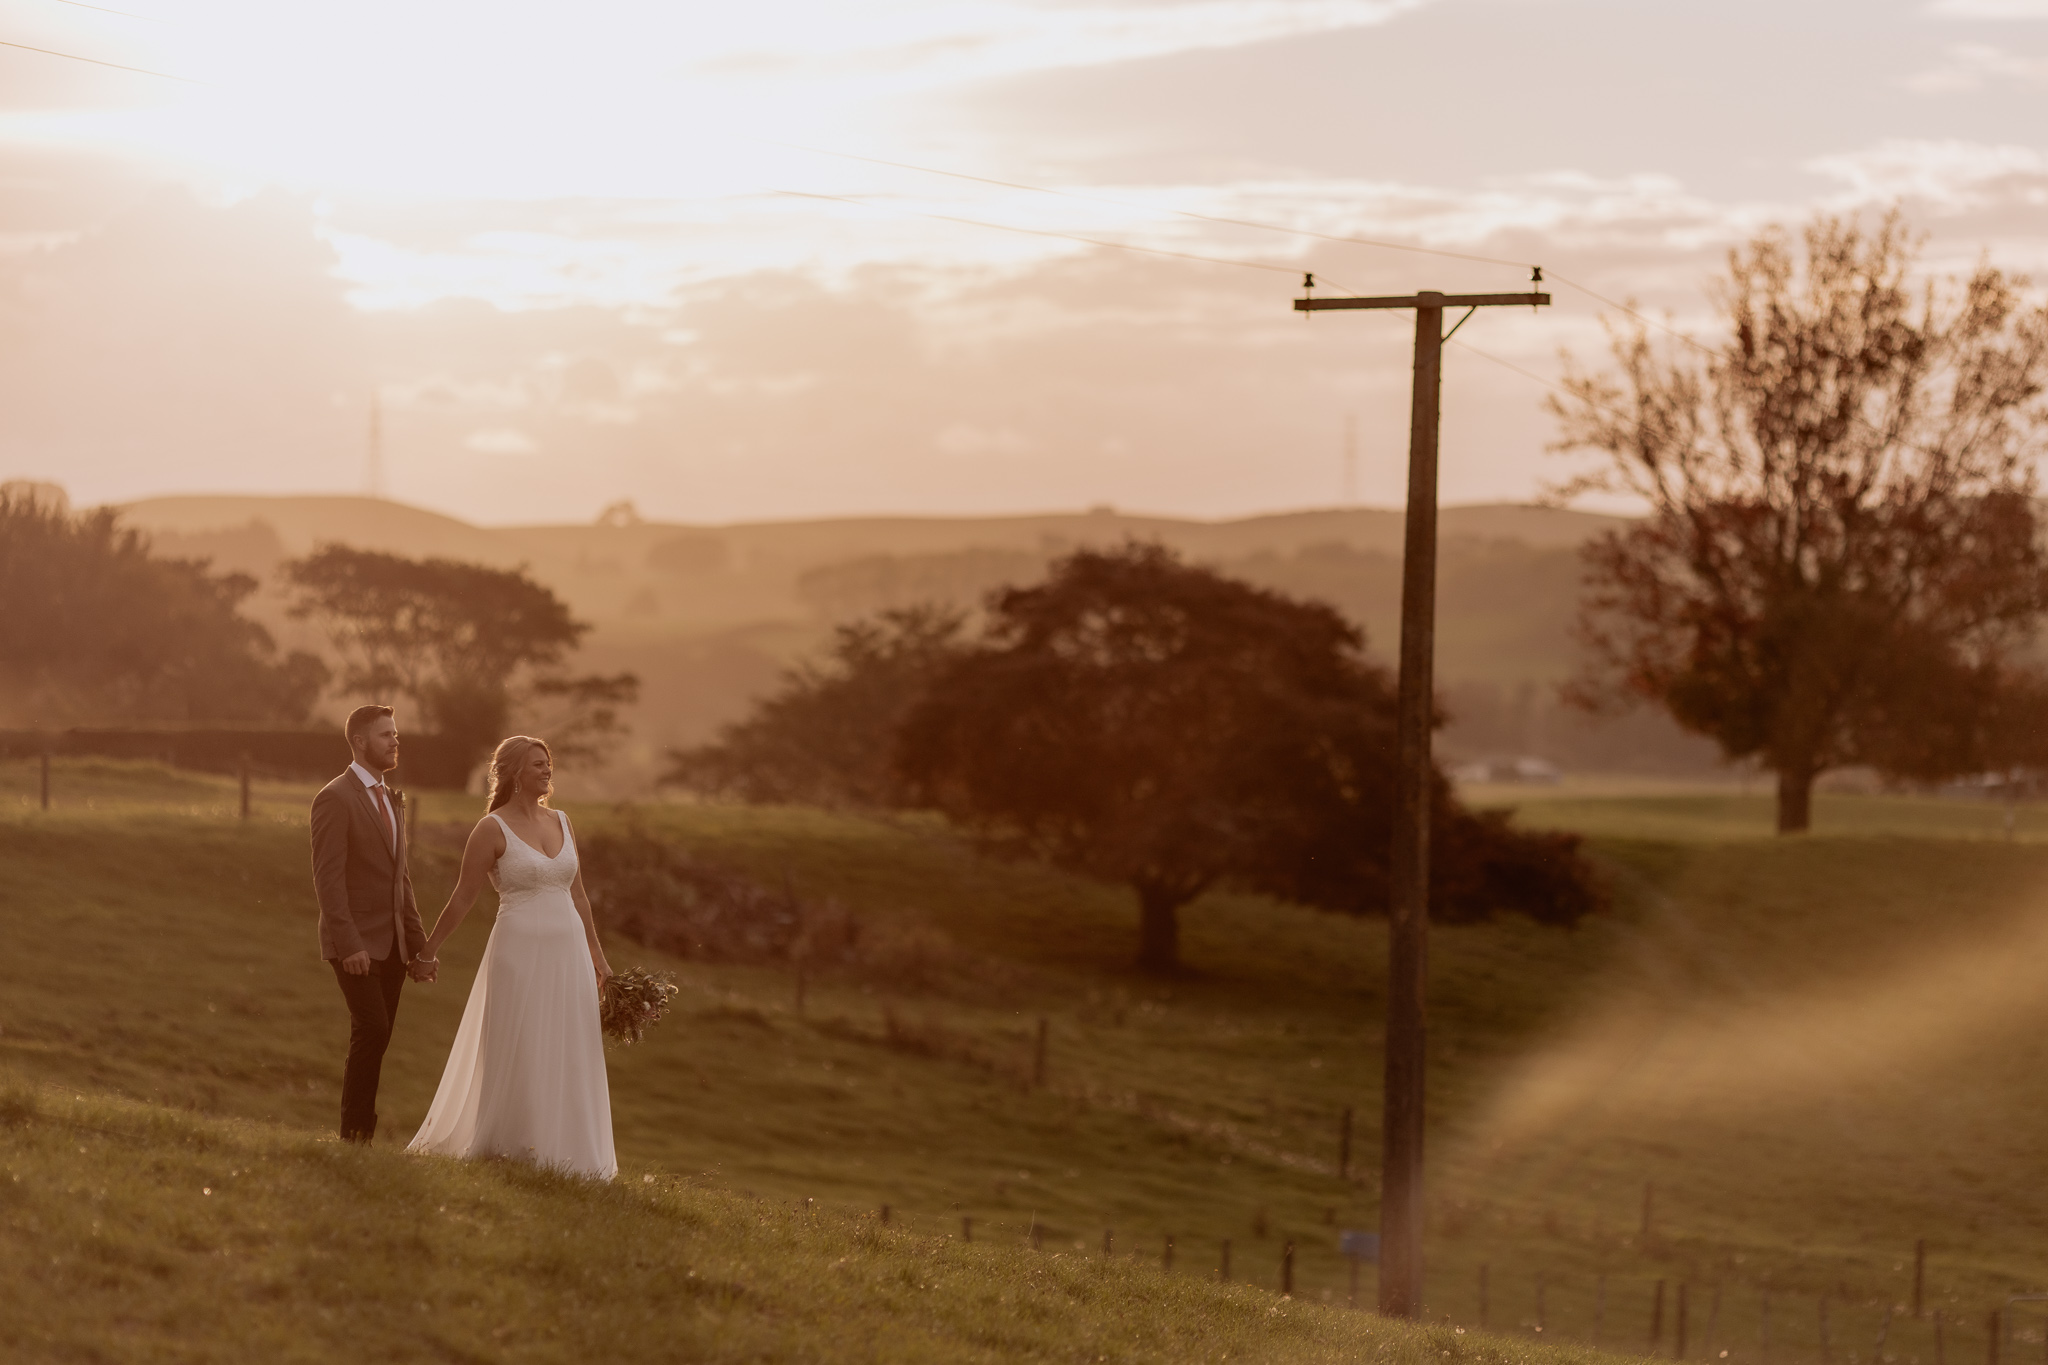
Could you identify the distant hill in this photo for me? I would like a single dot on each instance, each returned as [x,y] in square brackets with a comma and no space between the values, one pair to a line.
[709,614]
[672,576]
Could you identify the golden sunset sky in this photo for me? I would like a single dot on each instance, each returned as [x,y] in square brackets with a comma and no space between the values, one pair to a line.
[587,252]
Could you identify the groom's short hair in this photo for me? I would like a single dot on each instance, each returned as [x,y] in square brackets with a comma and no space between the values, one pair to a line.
[361,719]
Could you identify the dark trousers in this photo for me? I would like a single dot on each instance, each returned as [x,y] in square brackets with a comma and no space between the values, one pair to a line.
[372,1005]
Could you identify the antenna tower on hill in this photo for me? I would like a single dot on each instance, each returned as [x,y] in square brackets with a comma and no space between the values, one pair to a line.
[1351,459]
[373,471]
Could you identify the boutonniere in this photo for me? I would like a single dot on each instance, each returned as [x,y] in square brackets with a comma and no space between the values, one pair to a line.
[397,795]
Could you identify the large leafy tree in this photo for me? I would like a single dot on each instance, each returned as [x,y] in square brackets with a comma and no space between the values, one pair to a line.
[827,735]
[95,628]
[1148,722]
[472,647]
[1841,561]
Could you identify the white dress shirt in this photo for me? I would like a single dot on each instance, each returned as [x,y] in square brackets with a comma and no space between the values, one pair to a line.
[373,781]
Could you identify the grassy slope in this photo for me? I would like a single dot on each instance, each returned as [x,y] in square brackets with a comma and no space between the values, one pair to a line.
[1817,1049]
[166,1237]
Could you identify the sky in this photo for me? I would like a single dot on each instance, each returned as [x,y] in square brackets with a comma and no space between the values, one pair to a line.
[744,261]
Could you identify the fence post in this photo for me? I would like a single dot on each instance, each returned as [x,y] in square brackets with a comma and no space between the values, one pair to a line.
[1919,1274]
[1224,1273]
[966,1229]
[1287,1269]
[1038,1057]
[1656,1320]
[1344,1145]
[885,1214]
[1678,1338]
[1108,1243]
[245,784]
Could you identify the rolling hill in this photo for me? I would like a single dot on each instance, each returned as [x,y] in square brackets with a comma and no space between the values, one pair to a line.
[709,615]
[1811,1052]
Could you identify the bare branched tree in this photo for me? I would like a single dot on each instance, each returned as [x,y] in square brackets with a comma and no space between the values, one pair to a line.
[1841,562]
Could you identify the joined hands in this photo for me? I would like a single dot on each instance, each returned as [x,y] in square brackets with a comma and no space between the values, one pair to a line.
[423,969]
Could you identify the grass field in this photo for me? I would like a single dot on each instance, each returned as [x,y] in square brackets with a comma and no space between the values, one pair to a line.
[1817,1049]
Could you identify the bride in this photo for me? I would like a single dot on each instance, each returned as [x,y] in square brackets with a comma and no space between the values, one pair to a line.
[526,1077]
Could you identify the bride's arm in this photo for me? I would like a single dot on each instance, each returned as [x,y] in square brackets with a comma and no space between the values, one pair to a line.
[486,845]
[582,900]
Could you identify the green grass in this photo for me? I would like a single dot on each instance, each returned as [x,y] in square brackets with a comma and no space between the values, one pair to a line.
[1818,1049]
[165,1237]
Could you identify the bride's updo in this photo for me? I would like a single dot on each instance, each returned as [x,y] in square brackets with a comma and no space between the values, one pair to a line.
[507,762]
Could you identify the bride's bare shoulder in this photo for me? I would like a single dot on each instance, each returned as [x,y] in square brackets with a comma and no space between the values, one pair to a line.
[489,833]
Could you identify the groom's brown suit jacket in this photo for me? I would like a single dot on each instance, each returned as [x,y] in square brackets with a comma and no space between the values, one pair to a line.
[364,888]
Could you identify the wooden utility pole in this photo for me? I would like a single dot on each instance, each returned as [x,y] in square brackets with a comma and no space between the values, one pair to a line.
[1408,908]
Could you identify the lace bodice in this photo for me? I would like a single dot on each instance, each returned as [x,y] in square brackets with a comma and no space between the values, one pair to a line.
[524,870]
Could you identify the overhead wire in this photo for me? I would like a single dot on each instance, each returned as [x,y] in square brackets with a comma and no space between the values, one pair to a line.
[1253,223]
[73,56]
[1179,213]
[125,14]
[866,202]
[1552,385]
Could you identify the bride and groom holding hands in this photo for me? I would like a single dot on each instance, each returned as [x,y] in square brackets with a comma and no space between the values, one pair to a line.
[526,1075]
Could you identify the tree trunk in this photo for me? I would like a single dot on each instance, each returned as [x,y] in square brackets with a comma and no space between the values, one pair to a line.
[1795,800]
[1159,928]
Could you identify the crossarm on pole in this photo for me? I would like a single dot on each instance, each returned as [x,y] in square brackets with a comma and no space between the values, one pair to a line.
[1415,301]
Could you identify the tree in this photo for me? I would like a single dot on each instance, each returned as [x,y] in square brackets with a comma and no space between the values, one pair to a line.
[93,627]
[1841,561]
[827,735]
[467,644]
[1143,721]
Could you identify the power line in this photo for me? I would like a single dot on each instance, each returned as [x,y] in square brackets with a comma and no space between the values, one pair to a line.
[1249,223]
[1554,387]
[1180,213]
[145,18]
[1639,317]
[72,56]
[1047,232]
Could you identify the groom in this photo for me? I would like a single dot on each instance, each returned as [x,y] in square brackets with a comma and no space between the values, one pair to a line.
[369,922]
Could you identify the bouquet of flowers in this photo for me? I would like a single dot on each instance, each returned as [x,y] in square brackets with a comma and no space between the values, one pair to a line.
[633,1000]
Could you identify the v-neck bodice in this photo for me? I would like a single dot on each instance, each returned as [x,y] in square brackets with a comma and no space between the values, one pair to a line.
[524,870]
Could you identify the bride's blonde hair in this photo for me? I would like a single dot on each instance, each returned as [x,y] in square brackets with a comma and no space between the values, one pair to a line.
[506,763]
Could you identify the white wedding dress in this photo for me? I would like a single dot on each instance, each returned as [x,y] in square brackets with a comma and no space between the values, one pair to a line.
[526,1077]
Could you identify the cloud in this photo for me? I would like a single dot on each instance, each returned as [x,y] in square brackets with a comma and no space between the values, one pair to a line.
[1970,66]
[931,44]
[965,439]
[501,441]
[1943,175]
[608,97]
[1989,9]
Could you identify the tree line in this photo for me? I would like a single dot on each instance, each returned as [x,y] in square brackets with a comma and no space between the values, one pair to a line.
[95,629]
[1142,721]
